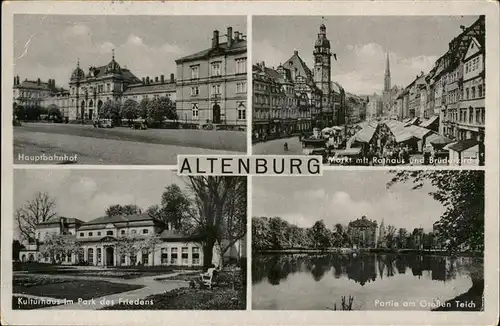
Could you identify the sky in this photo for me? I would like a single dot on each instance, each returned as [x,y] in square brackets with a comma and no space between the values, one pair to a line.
[49,46]
[361,43]
[85,194]
[344,196]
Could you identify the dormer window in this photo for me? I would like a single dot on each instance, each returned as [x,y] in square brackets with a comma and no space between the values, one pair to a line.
[109,232]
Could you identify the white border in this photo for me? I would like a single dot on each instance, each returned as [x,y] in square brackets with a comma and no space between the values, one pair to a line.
[490,9]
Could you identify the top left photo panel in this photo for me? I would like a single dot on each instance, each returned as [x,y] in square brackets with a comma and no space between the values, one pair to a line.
[128,90]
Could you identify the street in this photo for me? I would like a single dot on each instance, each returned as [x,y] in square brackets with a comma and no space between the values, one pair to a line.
[275,147]
[121,145]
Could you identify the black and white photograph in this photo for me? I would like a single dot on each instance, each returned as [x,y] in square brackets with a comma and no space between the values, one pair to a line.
[370,90]
[369,240]
[128,89]
[128,240]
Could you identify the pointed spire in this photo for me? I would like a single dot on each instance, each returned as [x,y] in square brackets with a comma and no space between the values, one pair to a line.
[113,54]
[78,62]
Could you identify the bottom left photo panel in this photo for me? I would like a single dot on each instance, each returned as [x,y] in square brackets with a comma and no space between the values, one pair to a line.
[128,239]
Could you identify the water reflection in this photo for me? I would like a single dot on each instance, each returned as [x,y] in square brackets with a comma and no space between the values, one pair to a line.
[361,271]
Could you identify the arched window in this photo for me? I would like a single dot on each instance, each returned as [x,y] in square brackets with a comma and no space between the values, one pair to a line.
[90,256]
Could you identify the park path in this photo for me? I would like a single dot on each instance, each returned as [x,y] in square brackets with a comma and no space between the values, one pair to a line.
[150,287]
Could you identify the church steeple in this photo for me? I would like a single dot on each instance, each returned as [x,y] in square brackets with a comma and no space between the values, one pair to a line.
[387,77]
[322,61]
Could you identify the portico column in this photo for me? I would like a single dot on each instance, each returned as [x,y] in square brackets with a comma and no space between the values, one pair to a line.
[95,256]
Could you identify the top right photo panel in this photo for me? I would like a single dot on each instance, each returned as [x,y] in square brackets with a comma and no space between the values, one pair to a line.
[370,90]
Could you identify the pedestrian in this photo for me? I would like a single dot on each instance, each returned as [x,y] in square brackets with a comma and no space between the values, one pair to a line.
[285,147]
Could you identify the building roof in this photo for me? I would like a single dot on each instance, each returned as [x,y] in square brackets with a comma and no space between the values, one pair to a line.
[462,145]
[237,47]
[429,121]
[57,220]
[362,222]
[122,218]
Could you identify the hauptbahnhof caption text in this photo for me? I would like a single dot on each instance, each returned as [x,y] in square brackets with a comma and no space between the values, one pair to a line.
[249,165]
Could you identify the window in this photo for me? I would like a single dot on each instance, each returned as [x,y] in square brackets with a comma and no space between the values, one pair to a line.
[216,71]
[471,115]
[90,234]
[133,259]
[195,91]
[173,256]
[122,260]
[82,234]
[108,87]
[196,255]
[145,231]
[145,257]
[241,87]
[480,91]
[195,112]
[98,233]
[216,89]
[241,66]
[99,255]
[241,112]
[473,92]
[122,232]
[195,72]
[185,260]
[109,232]
[81,256]
[134,231]
[164,256]
[466,93]
[478,116]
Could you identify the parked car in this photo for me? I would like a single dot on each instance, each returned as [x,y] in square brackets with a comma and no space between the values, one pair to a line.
[140,125]
[103,123]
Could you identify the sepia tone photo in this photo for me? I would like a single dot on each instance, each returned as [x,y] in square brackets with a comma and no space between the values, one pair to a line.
[369,240]
[370,90]
[128,240]
[128,89]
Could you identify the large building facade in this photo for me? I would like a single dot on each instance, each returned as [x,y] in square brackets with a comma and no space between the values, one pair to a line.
[117,241]
[212,83]
[363,232]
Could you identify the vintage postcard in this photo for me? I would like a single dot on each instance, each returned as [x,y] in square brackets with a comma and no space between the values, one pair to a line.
[250,163]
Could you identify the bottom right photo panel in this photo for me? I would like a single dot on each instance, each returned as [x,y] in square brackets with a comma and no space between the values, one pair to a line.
[369,240]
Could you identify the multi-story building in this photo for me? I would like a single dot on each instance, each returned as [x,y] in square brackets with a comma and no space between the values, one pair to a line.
[30,93]
[472,107]
[212,83]
[89,91]
[363,232]
[115,241]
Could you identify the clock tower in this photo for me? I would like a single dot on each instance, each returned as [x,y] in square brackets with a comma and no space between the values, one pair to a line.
[322,61]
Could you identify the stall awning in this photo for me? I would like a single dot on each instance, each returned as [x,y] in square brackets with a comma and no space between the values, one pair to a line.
[404,136]
[417,131]
[463,145]
[365,135]
[437,139]
[429,121]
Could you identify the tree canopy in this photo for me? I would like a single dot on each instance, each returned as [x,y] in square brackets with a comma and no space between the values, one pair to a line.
[34,211]
[116,210]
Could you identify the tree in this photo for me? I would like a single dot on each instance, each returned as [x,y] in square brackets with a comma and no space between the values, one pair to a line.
[390,231]
[159,109]
[143,108]
[54,113]
[320,235]
[128,245]
[18,112]
[402,235]
[111,110]
[260,233]
[211,196]
[130,110]
[59,245]
[149,244]
[175,206]
[117,210]
[462,195]
[17,246]
[33,212]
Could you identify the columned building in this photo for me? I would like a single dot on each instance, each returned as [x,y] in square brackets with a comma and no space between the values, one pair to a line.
[363,232]
[212,83]
[117,241]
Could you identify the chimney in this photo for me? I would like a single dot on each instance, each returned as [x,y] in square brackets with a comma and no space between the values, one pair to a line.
[263,64]
[162,79]
[229,37]
[156,79]
[147,80]
[17,79]
[143,80]
[172,78]
[38,81]
[215,39]
[296,52]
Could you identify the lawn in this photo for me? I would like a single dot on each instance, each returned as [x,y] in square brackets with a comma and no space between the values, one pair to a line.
[68,289]
[192,299]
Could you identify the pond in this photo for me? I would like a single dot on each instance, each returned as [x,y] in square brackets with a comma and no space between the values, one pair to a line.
[373,281]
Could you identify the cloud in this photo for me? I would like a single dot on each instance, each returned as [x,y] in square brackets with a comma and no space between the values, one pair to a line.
[106,47]
[171,48]
[134,40]
[78,31]
[269,53]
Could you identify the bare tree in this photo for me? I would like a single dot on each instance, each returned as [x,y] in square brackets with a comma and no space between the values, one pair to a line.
[33,212]
[211,196]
